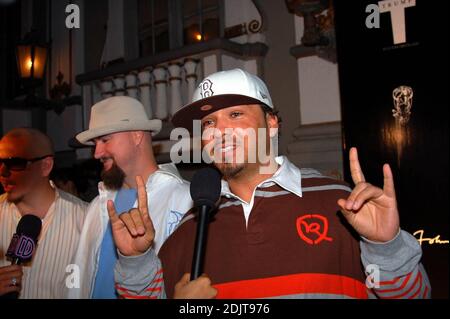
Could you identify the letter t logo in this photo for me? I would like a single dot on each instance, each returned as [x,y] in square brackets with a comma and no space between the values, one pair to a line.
[397,10]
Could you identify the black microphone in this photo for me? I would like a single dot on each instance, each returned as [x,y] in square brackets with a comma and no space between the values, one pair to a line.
[205,192]
[23,244]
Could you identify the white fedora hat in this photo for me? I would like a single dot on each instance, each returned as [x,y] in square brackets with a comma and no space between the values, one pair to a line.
[221,90]
[117,114]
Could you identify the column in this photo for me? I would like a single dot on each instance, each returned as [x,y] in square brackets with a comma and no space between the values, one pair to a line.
[132,88]
[144,88]
[175,87]
[190,66]
[107,88]
[119,83]
[160,75]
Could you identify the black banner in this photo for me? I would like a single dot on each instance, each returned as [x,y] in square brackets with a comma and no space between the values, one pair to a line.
[393,69]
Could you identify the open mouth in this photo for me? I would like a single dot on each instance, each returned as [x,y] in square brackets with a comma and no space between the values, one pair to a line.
[227,149]
[107,163]
[228,154]
[8,187]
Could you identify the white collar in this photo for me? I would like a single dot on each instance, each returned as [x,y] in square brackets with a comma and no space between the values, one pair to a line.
[288,176]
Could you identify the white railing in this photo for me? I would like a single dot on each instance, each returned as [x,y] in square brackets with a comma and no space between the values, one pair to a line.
[163,89]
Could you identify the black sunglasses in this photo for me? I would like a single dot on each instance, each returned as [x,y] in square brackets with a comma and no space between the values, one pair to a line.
[18,163]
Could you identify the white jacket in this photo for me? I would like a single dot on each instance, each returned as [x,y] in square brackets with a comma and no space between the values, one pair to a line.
[168,200]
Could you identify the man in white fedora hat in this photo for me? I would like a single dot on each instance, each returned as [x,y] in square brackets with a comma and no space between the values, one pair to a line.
[121,133]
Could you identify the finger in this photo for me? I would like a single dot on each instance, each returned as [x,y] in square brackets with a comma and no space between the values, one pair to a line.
[366,195]
[342,204]
[355,168]
[388,186]
[214,292]
[112,212]
[348,215]
[11,272]
[205,279]
[11,281]
[138,222]
[129,223]
[11,268]
[17,278]
[355,192]
[148,224]
[8,281]
[183,281]
[142,204]
[142,195]
[210,291]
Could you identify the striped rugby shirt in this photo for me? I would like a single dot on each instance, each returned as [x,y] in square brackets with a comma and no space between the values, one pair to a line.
[45,276]
[290,241]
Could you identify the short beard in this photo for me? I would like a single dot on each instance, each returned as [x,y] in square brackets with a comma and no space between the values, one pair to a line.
[113,178]
[230,170]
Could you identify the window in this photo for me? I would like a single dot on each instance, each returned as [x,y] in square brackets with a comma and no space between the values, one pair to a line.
[169,24]
[153,26]
[200,20]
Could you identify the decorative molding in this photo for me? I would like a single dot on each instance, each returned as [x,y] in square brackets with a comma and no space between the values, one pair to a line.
[318,34]
[262,23]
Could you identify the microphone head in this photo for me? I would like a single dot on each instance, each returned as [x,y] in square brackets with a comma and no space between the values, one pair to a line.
[205,187]
[24,241]
[30,226]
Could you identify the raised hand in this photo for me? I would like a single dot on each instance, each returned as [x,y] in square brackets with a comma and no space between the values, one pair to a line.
[133,232]
[370,210]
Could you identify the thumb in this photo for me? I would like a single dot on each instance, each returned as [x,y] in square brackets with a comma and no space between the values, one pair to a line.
[185,279]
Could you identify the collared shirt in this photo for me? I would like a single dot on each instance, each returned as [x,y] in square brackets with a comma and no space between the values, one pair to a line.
[45,276]
[288,176]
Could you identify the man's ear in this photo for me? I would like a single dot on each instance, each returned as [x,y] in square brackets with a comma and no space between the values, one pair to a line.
[47,166]
[272,124]
[138,137]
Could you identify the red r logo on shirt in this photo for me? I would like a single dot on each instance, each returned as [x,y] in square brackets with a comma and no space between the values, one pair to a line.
[315,226]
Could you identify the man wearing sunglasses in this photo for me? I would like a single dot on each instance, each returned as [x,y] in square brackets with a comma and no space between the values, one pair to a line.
[26,160]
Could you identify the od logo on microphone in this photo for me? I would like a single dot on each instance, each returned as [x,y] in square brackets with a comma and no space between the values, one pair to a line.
[21,247]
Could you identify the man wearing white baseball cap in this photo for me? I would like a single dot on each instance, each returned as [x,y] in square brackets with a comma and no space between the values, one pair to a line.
[277,233]
[121,133]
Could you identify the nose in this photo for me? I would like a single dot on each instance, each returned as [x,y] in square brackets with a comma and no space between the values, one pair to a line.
[222,124]
[4,171]
[99,150]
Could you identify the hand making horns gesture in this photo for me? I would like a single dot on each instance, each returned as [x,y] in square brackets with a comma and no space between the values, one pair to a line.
[370,210]
[133,232]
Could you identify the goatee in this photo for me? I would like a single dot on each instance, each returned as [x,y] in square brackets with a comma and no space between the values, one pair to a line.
[230,170]
[113,178]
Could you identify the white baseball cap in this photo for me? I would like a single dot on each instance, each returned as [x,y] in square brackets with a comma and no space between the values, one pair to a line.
[221,90]
[117,114]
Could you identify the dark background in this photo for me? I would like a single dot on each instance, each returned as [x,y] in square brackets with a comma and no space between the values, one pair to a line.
[370,68]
